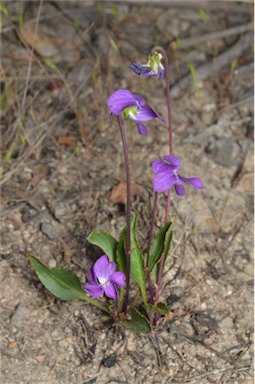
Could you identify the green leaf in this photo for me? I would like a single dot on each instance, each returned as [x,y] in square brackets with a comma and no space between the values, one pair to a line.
[50,64]
[168,241]
[178,43]
[114,45]
[136,260]
[104,241]
[121,252]
[5,96]
[157,246]
[137,323]
[203,16]
[162,308]
[99,7]
[21,20]
[166,246]
[192,70]
[60,282]
[4,10]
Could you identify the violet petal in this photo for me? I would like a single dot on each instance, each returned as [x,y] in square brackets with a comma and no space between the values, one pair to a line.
[173,160]
[179,189]
[118,278]
[111,291]
[160,166]
[142,130]
[120,100]
[194,181]
[161,73]
[139,69]
[149,73]
[100,267]
[109,269]
[163,181]
[146,113]
[139,100]
[93,290]
[92,278]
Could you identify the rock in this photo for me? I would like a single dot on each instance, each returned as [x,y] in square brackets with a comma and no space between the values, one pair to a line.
[222,150]
[18,316]
[50,231]
[246,184]
[109,361]
[47,44]
[52,263]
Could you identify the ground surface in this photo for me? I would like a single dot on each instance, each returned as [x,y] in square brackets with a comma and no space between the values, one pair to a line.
[62,158]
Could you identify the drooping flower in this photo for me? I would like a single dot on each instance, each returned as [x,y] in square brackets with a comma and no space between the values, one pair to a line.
[153,67]
[133,106]
[167,176]
[103,279]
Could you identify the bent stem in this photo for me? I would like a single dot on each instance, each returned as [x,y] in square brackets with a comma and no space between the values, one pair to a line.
[128,211]
[169,114]
[170,130]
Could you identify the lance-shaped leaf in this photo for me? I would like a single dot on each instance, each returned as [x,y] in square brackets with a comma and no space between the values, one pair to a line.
[104,241]
[60,282]
[160,244]
[167,242]
[136,259]
[121,252]
[137,323]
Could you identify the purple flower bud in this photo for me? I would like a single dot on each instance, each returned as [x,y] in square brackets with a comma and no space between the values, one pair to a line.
[153,67]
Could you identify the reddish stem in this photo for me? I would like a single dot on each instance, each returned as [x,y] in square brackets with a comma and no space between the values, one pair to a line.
[170,130]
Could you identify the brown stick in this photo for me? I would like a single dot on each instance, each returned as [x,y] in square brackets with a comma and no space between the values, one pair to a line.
[190,42]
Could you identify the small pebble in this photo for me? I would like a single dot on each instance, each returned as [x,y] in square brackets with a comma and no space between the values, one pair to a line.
[52,263]
[18,316]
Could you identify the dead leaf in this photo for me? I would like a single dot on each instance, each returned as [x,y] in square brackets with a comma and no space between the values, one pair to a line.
[67,254]
[54,84]
[12,345]
[40,172]
[119,192]
[64,141]
[39,358]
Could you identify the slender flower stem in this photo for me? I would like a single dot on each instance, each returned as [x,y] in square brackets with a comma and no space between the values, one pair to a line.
[154,210]
[116,310]
[95,303]
[169,119]
[128,211]
[170,130]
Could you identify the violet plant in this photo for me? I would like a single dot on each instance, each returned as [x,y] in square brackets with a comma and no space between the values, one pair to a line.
[109,280]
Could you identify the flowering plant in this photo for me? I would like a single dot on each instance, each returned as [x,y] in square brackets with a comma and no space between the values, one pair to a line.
[109,280]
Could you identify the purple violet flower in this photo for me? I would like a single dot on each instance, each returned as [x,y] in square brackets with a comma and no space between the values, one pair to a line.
[103,279]
[133,106]
[166,176]
[153,67]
